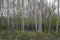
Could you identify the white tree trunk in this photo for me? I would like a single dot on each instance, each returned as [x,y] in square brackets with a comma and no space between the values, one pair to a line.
[2,6]
[35,13]
[23,7]
[41,16]
[7,3]
[57,16]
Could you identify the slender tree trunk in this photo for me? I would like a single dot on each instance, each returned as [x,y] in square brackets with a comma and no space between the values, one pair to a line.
[50,16]
[13,14]
[47,15]
[41,16]
[7,14]
[23,15]
[57,16]
[2,14]
[35,12]
[53,11]
[2,10]
[27,12]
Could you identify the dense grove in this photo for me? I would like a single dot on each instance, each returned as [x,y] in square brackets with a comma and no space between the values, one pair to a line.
[29,34]
[28,23]
[17,16]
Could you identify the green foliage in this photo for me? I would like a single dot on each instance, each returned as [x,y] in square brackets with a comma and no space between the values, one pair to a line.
[28,21]
[31,35]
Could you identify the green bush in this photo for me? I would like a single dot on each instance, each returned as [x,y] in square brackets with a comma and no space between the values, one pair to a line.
[31,35]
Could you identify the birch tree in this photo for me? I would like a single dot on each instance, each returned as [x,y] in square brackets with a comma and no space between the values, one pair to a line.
[13,13]
[2,12]
[35,12]
[41,14]
[23,15]
[7,5]
[27,13]
[57,25]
